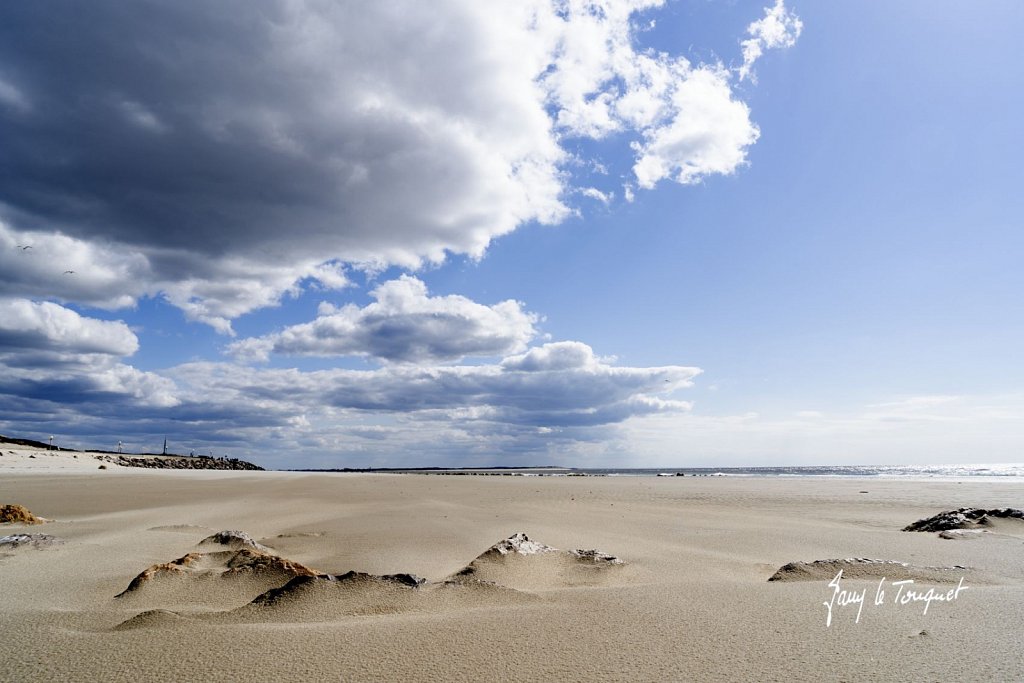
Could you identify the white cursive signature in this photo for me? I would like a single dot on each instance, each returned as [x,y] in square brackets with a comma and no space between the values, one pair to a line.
[905,594]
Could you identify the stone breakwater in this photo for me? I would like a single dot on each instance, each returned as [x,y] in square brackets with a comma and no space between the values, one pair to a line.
[179,462]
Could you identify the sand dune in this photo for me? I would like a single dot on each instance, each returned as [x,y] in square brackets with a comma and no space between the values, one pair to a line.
[215,579]
[507,572]
[154,618]
[863,568]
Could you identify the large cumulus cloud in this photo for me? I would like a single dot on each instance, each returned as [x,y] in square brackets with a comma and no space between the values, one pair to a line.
[220,154]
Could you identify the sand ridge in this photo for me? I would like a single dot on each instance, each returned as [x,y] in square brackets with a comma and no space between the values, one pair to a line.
[865,568]
[511,570]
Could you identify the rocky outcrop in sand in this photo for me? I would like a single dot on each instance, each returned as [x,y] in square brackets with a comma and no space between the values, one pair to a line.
[865,568]
[351,578]
[29,540]
[964,518]
[521,563]
[520,544]
[18,514]
[236,540]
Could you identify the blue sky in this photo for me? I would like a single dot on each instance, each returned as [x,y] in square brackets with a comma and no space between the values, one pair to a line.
[594,234]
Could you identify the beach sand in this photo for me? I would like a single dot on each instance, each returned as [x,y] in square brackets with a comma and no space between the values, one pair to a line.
[691,601]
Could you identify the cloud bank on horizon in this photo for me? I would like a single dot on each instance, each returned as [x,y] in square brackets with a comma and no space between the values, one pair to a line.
[225,156]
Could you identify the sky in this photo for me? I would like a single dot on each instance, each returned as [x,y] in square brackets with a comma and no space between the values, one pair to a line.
[636,233]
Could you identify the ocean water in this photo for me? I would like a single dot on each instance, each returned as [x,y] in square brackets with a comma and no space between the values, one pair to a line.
[1000,472]
[1013,470]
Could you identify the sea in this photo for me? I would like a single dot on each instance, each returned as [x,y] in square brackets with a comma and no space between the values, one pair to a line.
[1012,470]
[1001,472]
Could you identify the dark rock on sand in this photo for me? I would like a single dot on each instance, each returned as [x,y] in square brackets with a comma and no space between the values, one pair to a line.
[595,556]
[964,518]
[409,580]
[299,583]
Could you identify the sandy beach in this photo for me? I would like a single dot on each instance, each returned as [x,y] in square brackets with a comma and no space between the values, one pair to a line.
[690,599]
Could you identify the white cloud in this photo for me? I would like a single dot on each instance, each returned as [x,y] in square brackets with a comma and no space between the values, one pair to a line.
[313,133]
[596,194]
[709,133]
[142,117]
[52,355]
[31,326]
[403,325]
[778,28]
[11,97]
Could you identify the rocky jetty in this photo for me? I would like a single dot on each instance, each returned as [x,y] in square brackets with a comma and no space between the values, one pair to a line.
[18,514]
[964,518]
[179,462]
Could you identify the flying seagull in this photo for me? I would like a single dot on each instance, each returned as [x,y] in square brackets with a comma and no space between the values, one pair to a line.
[69,272]
[23,248]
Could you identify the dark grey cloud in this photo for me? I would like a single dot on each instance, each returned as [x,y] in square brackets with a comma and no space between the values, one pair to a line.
[559,384]
[556,394]
[266,129]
